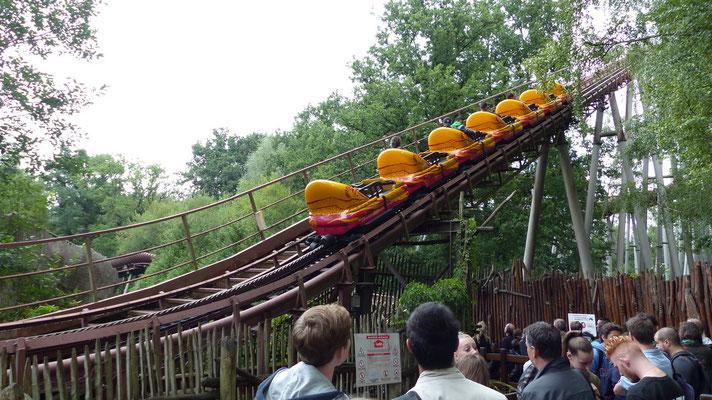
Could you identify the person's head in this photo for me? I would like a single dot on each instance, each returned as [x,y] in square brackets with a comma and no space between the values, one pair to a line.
[474,367]
[466,345]
[578,350]
[599,324]
[395,142]
[517,333]
[667,340]
[649,317]
[610,329]
[510,95]
[432,335]
[543,343]
[509,329]
[625,355]
[698,323]
[447,121]
[484,106]
[323,334]
[560,324]
[641,330]
[576,326]
[482,331]
[459,119]
[690,331]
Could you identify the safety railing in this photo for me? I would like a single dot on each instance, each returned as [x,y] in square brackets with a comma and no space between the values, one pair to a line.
[266,213]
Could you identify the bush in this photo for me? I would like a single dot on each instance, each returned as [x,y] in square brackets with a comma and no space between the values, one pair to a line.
[450,292]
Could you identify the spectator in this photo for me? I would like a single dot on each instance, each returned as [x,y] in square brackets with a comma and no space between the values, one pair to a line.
[510,95]
[642,333]
[691,339]
[485,107]
[576,326]
[705,340]
[482,338]
[466,345]
[432,338]
[506,342]
[458,122]
[555,379]
[578,350]
[396,142]
[602,366]
[322,337]
[515,341]
[599,324]
[683,362]
[652,383]
[560,324]
[649,317]
[474,367]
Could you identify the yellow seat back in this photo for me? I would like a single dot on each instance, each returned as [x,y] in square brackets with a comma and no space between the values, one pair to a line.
[395,163]
[513,108]
[327,197]
[559,90]
[447,139]
[533,96]
[485,122]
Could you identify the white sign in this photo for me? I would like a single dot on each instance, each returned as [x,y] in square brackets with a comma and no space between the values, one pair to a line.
[588,321]
[377,358]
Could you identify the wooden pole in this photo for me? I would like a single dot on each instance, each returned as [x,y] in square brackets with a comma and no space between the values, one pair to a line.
[228,368]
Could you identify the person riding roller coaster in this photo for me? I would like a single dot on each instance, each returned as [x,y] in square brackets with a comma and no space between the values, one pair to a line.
[459,125]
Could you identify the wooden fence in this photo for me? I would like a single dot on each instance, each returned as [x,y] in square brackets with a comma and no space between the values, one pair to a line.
[508,297]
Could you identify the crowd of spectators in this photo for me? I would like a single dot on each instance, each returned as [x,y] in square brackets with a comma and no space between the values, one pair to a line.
[637,360]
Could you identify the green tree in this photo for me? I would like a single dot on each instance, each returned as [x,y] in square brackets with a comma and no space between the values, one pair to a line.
[218,165]
[98,192]
[33,105]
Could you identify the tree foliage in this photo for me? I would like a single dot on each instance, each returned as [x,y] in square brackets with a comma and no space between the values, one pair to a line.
[218,165]
[33,104]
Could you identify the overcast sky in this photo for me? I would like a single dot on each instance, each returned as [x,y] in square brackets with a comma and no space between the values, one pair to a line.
[176,70]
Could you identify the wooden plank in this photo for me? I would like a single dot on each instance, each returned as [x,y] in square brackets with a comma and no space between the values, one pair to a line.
[87,373]
[108,372]
[35,379]
[46,376]
[133,389]
[62,390]
[228,369]
[74,375]
[98,392]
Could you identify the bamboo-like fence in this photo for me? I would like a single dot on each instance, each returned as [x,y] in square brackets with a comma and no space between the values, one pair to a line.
[509,297]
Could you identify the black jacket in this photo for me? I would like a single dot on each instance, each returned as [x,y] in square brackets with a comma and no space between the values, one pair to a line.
[557,381]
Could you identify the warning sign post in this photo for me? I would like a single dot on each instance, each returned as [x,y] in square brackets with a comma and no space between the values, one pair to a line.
[377,358]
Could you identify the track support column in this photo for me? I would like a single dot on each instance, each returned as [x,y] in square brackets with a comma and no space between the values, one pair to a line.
[642,236]
[537,194]
[674,261]
[582,241]
[593,170]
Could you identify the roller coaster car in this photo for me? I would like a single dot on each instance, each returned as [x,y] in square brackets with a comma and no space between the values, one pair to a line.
[458,144]
[560,92]
[412,170]
[335,208]
[519,110]
[540,99]
[494,125]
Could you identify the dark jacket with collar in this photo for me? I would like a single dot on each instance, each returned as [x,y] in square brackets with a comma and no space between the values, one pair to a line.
[557,381]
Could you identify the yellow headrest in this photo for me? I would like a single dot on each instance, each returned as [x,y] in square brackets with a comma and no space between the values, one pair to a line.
[327,197]
[511,107]
[485,121]
[447,139]
[559,89]
[533,96]
[394,163]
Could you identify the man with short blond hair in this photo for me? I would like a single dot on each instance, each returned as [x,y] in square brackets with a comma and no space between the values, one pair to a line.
[652,382]
[322,337]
